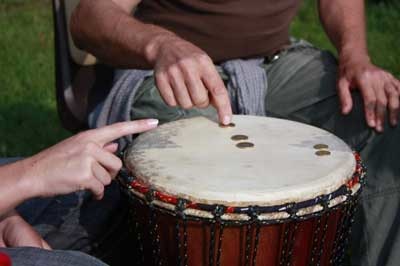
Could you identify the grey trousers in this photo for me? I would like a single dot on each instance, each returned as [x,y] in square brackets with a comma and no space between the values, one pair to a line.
[302,87]
[28,256]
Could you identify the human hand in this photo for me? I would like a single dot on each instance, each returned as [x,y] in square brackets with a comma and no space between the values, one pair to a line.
[186,76]
[16,232]
[380,90]
[84,161]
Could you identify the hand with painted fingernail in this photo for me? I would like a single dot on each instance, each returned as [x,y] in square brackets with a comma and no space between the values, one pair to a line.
[85,161]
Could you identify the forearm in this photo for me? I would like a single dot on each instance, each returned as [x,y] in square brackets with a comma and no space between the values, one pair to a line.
[14,186]
[344,22]
[109,31]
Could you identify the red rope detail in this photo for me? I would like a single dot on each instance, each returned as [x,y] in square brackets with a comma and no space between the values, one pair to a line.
[230,209]
[140,187]
[166,198]
[192,205]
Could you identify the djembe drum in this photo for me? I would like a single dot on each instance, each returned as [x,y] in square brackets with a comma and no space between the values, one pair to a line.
[261,191]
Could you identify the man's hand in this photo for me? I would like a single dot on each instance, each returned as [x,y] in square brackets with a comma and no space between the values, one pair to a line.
[344,22]
[186,76]
[15,232]
[84,161]
[379,89]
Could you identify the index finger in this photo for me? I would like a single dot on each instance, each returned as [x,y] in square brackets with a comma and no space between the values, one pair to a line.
[219,94]
[115,131]
[345,95]
[369,98]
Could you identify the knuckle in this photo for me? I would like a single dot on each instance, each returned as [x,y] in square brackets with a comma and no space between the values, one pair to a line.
[187,105]
[87,176]
[113,175]
[381,102]
[82,135]
[394,107]
[100,191]
[160,74]
[389,75]
[170,102]
[118,165]
[203,59]
[172,70]
[370,99]
[202,103]
[218,90]
[365,75]
[186,62]
[88,162]
[90,147]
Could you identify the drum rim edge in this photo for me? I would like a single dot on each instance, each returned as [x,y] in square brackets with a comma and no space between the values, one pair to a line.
[169,203]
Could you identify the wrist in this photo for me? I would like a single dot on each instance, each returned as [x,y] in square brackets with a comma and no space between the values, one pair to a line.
[153,46]
[353,53]
[27,183]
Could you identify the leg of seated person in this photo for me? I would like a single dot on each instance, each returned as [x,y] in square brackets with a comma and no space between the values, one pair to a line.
[74,221]
[28,256]
[149,104]
[302,87]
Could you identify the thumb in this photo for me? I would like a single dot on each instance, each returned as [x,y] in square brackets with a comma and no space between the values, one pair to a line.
[45,245]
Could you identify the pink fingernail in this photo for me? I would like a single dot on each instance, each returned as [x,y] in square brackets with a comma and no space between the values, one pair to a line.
[226,120]
[152,122]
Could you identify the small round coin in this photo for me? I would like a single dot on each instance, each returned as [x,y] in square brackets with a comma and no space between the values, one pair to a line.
[244,145]
[228,125]
[320,146]
[239,137]
[322,153]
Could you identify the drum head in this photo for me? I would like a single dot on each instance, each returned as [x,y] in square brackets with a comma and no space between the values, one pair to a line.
[198,160]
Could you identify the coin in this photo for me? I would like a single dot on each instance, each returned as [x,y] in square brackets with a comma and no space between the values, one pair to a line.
[228,125]
[239,137]
[244,145]
[321,146]
[322,153]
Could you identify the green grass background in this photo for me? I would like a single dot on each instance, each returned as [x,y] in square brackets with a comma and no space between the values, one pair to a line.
[28,117]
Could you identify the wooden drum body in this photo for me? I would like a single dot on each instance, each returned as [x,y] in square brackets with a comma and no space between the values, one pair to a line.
[202,197]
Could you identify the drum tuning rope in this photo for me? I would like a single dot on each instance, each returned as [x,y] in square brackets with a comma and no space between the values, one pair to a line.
[220,237]
[256,241]
[218,212]
[179,208]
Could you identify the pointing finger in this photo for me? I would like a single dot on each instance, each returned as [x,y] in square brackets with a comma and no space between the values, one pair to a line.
[115,131]
[219,94]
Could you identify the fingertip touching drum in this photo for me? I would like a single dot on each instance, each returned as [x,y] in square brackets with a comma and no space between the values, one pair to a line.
[198,198]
